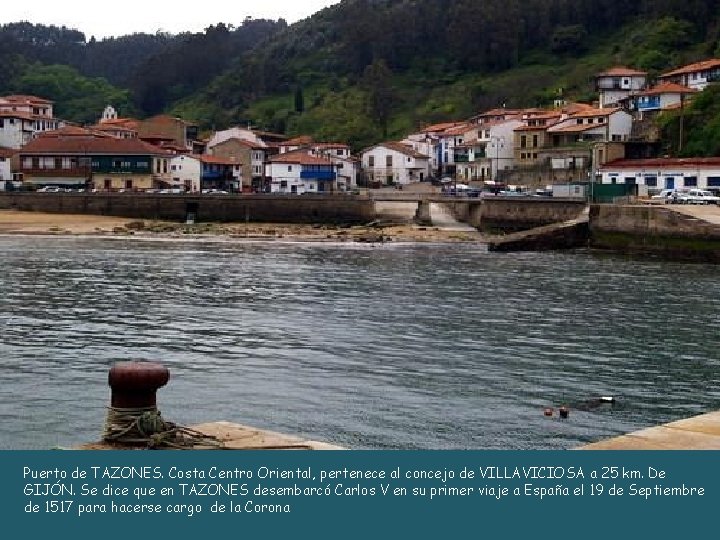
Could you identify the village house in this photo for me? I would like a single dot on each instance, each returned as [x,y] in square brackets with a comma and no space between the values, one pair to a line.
[298,172]
[488,148]
[198,172]
[79,158]
[696,76]
[346,166]
[664,96]
[618,83]
[249,158]
[6,175]
[664,173]
[169,130]
[21,117]
[393,163]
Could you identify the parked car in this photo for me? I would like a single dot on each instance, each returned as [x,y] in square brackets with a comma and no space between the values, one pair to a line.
[49,189]
[665,196]
[701,196]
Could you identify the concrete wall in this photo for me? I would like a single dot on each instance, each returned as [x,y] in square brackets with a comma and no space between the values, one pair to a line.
[260,208]
[516,214]
[654,230]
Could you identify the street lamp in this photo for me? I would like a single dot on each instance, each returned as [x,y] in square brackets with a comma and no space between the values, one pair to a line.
[498,142]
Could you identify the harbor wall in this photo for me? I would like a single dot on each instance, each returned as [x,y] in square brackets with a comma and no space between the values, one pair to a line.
[204,208]
[510,214]
[654,230]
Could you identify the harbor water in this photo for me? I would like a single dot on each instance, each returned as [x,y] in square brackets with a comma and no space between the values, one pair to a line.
[394,346]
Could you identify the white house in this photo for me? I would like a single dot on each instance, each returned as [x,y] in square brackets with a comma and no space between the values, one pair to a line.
[5,167]
[186,172]
[587,125]
[298,172]
[664,173]
[23,116]
[393,163]
[697,75]
[427,144]
[346,166]
[488,149]
[618,83]
[666,95]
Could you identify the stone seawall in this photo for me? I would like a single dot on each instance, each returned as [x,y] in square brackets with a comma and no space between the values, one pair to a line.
[510,214]
[654,230]
[204,208]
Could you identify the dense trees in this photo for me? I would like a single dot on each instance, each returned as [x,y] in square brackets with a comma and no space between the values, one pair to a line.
[394,63]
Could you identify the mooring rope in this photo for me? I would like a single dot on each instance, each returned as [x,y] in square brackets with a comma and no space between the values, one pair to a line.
[146,427]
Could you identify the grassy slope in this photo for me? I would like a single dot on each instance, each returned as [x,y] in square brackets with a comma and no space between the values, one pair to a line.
[335,108]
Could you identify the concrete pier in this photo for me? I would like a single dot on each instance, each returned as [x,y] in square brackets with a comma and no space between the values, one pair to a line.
[239,437]
[698,433]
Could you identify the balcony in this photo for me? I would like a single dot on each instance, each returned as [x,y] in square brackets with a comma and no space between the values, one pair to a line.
[74,172]
[318,174]
[462,158]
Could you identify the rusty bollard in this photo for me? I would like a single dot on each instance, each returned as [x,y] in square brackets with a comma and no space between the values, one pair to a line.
[133,416]
[134,385]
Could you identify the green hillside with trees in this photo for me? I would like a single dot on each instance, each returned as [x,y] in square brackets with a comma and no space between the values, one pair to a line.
[366,70]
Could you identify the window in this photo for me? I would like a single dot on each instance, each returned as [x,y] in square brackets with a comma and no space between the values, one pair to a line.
[579,121]
[388,161]
[58,163]
[117,164]
[535,141]
[691,181]
[128,184]
[523,141]
[651,181]
[630,180]
[165,169]
[371,161]
[289,168]
[713,181]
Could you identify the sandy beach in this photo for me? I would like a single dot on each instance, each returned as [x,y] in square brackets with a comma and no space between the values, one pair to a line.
[37,223]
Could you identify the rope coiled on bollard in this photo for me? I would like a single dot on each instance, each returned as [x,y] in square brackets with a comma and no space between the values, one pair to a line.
[146,427]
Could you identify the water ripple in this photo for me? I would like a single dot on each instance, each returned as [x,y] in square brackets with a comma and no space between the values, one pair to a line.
[399,346]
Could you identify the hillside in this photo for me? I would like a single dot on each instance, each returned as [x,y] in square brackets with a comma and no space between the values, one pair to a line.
[364,70]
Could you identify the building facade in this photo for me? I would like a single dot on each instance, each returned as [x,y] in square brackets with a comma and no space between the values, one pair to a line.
[664,173]
[394,163]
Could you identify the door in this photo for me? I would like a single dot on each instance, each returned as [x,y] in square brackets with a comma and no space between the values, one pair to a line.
[670,183]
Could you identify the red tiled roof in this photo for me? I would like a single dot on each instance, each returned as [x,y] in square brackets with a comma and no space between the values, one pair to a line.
[127,123]
[16,114]
[243,142]
[216,160]
[320,146]
[167,119]
[592,113]
[298,141]
[6,152]
[621,71]
[667,88]
[692,68]
[434,128]
[678,163]
[108,127]
[26,99]
[574,128]
[403,149]
[299,157]
[458,130]
[89,144]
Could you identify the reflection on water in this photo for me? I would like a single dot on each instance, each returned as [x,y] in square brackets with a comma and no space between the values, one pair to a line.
[393,346]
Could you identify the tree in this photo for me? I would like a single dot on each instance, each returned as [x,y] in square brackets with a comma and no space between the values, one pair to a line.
[377,82]
[299,100]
